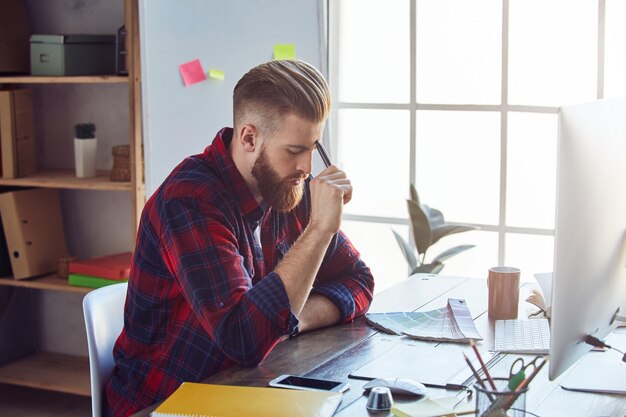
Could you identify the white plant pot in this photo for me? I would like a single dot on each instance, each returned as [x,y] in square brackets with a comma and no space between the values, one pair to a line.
[85,157]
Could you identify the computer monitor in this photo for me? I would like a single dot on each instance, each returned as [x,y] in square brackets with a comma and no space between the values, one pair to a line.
[589,277]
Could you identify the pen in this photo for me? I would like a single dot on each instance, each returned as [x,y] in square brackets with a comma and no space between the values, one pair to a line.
[482,364]
[450,387]
[323,153]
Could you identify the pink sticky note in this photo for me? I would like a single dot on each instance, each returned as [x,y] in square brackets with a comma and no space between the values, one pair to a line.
[192,72]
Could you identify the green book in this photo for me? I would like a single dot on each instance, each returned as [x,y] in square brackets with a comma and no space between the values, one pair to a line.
[91,282]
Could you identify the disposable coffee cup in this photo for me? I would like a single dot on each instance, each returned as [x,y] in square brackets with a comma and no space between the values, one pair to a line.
[503,283]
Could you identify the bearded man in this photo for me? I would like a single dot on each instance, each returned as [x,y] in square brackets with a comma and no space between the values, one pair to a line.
[240,247]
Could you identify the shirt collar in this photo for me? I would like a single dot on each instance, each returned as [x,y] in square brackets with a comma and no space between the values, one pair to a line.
[218,152]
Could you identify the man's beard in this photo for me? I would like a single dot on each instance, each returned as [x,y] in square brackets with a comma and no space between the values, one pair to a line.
[279,193]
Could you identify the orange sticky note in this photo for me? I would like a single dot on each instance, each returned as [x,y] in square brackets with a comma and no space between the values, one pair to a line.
[192,72]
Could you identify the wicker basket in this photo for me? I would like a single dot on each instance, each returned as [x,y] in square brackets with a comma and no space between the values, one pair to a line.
[121,163]
[64,266]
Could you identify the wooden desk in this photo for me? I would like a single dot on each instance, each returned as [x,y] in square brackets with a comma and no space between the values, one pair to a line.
[337,351]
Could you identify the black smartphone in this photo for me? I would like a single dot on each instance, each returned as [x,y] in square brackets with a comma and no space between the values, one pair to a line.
[308,384]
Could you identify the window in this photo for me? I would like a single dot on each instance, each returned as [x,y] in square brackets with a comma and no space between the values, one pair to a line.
[461,99]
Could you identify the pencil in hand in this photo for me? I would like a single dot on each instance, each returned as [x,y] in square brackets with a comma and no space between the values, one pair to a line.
[323,153]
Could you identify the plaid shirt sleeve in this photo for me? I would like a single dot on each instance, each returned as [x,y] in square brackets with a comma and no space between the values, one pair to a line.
[345,279]
[202,253]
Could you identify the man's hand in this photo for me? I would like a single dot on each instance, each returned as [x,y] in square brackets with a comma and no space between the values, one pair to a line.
[330,190]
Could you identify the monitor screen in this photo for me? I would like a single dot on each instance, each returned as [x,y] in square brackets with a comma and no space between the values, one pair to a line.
[589,278]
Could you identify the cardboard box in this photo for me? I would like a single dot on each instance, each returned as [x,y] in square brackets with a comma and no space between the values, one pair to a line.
[72,54]
[14,35]
[33,229]
[17,133]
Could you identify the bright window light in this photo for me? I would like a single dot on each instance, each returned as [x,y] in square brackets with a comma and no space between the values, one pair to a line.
[458,161]
[459,51]
[373,49]
[531,170]
[552,51]
[374,152]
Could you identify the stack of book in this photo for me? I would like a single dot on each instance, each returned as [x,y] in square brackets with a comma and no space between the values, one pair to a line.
[99,272]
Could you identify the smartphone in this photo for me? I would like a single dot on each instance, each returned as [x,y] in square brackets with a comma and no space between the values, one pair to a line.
[308,384]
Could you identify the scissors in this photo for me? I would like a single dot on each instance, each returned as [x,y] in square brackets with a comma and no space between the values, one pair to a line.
[519,369]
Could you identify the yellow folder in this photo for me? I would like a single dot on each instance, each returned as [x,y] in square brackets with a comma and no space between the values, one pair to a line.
[206,400]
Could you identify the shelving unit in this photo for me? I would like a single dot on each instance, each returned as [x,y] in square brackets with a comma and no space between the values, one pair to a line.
[57,371]
[83,79]
[50,282]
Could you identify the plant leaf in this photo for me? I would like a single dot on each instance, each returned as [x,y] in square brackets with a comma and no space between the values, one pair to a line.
[422,234]
[446,229]
[407,251]
[414,196]
[431,268]
[447,254]
[434,216]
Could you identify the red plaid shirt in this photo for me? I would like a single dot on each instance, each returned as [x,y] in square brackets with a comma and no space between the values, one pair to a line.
[202,293]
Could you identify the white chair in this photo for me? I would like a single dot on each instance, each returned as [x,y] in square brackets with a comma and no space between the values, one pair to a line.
[104,318]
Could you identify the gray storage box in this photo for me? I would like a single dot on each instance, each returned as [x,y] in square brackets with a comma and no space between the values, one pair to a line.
[72,54]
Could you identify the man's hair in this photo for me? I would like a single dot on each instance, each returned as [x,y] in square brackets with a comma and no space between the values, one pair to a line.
[270,91]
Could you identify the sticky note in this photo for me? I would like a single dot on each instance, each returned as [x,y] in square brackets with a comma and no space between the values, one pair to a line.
[192,72]
[285,51]
[216,74]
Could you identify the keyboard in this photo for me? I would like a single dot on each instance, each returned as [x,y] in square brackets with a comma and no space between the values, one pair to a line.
[522,336]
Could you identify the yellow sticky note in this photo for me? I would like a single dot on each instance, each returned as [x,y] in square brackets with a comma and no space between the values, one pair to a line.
[285,51]
[216,74]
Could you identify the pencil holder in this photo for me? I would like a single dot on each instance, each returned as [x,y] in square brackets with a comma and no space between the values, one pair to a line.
[501,402]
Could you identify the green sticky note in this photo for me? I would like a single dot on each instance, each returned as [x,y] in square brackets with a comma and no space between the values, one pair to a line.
[216,74]
[285,51]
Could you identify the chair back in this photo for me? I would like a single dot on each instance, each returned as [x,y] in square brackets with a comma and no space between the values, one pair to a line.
[104,318]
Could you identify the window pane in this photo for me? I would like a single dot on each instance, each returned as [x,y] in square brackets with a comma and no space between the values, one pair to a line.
[379,250]
[373,51]
[459,45]
[552,51]
[615,49]
[531,253]
[458,164]
[373,149]
[473,262]
[531,170]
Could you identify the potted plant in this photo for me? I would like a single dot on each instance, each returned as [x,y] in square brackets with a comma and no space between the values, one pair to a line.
[85,147]
[427,228]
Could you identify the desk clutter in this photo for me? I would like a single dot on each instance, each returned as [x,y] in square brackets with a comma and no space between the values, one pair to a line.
[452,323]
[504,397]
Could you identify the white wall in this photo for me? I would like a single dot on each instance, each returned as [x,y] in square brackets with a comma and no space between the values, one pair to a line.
[231,35]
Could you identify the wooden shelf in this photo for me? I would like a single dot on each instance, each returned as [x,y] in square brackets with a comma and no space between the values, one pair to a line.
[83,79]
[50,371]
[45,282]
[66,178]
